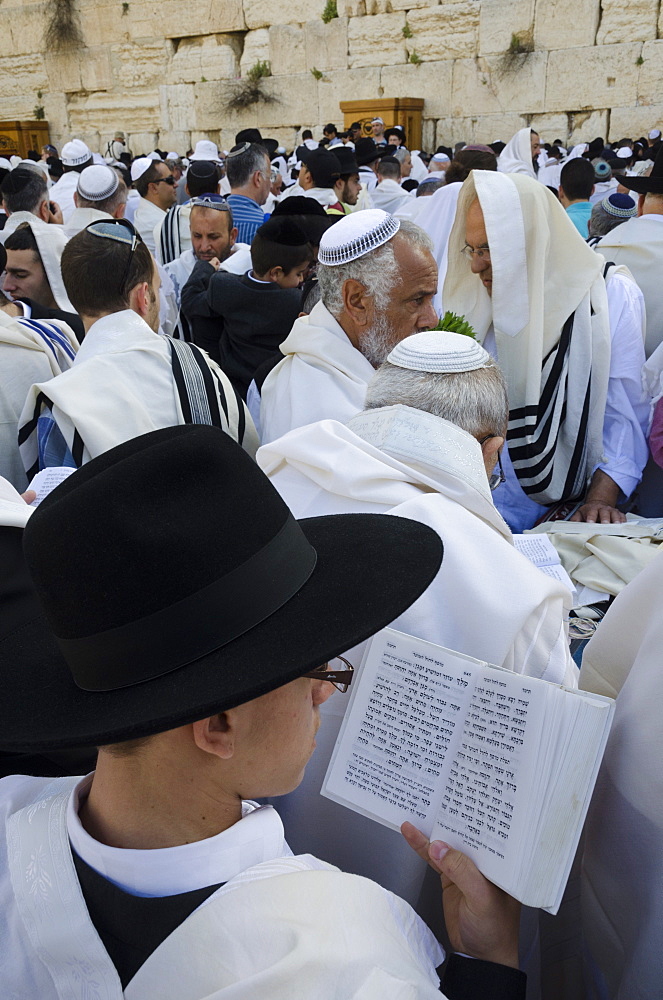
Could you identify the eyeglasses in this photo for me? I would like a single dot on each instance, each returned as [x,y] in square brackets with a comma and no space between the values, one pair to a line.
[119,231]
[341,679]
[166,180]
[496,478]
[483,253]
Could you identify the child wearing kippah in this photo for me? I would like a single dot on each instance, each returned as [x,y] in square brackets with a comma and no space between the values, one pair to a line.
[256,310]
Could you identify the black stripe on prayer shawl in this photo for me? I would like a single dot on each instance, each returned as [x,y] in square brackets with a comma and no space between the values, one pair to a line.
[77,448]
[209,403]
[201,392]
[241,422]
[27,430]
[222,397]
[579,450]
[169,238]
[180,385]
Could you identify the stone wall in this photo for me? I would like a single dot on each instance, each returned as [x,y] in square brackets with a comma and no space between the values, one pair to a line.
[165,71]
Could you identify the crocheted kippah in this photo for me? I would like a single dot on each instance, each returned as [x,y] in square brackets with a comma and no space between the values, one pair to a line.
[355,235]
[619,205]
[97,183]
[439,351]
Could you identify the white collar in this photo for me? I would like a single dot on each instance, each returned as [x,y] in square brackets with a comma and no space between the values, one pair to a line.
[167,871]
[115,331]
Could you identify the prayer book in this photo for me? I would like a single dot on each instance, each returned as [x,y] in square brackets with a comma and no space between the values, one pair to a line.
[542,553]
[497,765]
[47,480]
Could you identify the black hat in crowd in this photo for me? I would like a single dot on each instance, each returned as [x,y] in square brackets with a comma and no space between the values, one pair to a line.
[346,157]
[308,213]
[178,585]
[271,145]
[323,166]
[248,135]
[647,185]
[367,152]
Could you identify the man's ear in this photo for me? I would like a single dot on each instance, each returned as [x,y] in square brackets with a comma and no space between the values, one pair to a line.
[44,212]
[357,303]
[139,299]
[216,735]
[234,233]
[490,448]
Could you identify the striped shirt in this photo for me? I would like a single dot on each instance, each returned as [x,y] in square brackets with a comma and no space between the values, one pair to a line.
[247,216]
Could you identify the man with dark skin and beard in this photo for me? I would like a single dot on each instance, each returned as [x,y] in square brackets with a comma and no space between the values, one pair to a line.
[378,278]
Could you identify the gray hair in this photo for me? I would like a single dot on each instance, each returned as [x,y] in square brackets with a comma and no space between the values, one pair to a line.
[376,271]
[602,222]
[118,197]
[429,185]
[475,401]
[241,166]
[30,197]
[400,154]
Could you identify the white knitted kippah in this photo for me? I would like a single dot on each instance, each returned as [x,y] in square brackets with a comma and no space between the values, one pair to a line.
[439,351]
[355,235]
[96,183]
[139,166]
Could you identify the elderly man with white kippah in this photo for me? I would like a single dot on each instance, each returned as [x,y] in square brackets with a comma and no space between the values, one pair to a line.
[378,278]
[425,447]
[100,194]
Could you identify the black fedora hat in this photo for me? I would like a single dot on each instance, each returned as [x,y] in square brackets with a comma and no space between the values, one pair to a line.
[647,185]
[346,157]
[367,152]
[177,584]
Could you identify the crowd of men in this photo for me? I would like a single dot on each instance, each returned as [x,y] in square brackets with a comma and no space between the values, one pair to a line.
[241,356]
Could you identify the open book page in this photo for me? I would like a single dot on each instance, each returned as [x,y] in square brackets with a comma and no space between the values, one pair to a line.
[542,553]
[486,800]
[403,722]
[47,480]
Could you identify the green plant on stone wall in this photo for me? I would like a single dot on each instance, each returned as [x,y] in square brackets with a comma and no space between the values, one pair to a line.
[330,11]
[248,91]
[39,112]
[63,30]
[415,58]
[125,9]
[258,71]
[317,73]
[406,30]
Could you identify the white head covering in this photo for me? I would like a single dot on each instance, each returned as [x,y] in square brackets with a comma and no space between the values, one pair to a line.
[440,158]
[96,183]
[74,153]
[439,351]
[578,150]
[172,156]
[516,157]
[51,241]
[655,133]
[355,235]
[139,166]
[624,153]
[206,150]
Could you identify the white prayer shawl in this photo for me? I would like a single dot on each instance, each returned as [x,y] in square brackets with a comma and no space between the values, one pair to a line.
[389,196]
[50,949]
[638,243]
[546,282]
[487,600]
[602,189]
[323,196]
[122,385]
[419,170]
[16,218]
[516,157]
[550,174]
[622,867]
[62,193]
[322,375]
[437,221]
[82,217]
[51,241]
[30,351]
[146,218]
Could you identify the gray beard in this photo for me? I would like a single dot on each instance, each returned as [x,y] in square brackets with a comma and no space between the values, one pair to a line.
[377,342]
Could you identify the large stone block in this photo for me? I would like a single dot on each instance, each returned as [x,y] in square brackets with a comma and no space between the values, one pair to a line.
[96,69]
[176,19]
[346,85]
[481,128]
[176,142]
[649,76]
[140,65]
[287,49]
[634,21]
[413,4]
[142,142]
[23,74]
[635,121]
[294,101]
[431,80]
[106,23]
[262,13]
[495,84]
[564,24]
[136,111]
[608,75]
[177,107]
[55,108]
[64,72]
[376,40]
[502,19]
[445,32]
[23,29]
[552,126]
[587,125]
[215,57]
[327,44]
[256,49]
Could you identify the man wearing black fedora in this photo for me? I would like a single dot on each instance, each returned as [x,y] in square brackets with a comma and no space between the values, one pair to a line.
[190,651]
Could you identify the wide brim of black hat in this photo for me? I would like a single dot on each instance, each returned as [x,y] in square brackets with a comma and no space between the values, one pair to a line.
[370,568]
[376,154]
[642,185]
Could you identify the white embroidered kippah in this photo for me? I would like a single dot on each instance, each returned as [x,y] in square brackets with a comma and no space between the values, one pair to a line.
[74,153]
[139,166]
[96,183]
[355,235]
[439,351]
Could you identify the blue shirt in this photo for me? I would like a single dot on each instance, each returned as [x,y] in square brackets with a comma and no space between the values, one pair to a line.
[579,214]
[248,216]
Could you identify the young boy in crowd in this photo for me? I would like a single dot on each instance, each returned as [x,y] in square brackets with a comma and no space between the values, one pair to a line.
[255,311]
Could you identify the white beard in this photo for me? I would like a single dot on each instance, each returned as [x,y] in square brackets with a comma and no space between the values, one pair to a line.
[378,341]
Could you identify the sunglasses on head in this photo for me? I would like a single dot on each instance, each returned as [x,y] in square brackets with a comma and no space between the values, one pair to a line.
[119,231]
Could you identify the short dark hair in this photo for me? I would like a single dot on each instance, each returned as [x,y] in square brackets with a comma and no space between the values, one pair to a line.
[577,179]
[329,127]
[28,197]
[389,166]
[307,134]
[467,160]
[22,239]
[267,253]
[241,166]
[148,177]
[93,271]
[203,185]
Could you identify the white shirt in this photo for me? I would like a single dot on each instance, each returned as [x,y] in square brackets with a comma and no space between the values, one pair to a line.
[146,218]
[167,871]
[82,217]
[626,412]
